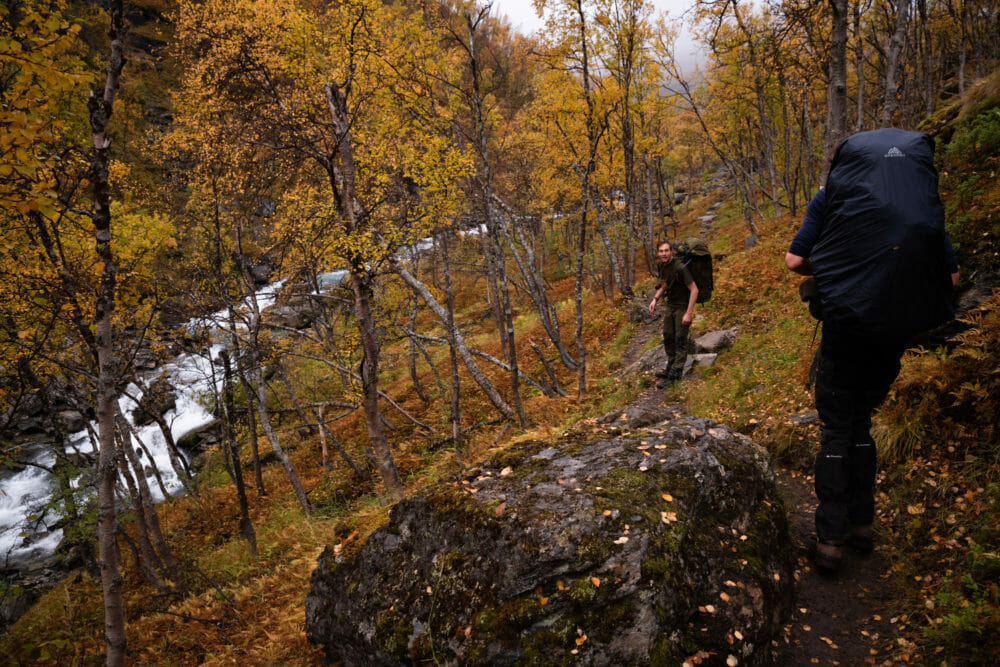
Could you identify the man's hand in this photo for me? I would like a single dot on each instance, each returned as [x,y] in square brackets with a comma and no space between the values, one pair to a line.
[687,318]
[652,306]
[799,265]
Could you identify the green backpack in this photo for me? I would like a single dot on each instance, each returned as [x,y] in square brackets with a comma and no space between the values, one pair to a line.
[694,254]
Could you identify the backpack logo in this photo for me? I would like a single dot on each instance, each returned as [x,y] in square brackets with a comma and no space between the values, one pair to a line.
[895,152]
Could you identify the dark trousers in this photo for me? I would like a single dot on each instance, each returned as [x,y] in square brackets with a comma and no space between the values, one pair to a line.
[675,334]
[853,376]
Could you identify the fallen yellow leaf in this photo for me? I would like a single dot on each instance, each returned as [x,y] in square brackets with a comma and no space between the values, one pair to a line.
[595,581]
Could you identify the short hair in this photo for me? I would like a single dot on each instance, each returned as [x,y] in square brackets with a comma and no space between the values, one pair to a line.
[664,241]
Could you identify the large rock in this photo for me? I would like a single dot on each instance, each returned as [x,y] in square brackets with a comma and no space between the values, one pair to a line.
[715,341]
[636,550]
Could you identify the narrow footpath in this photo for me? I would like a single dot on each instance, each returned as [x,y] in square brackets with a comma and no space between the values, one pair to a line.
[836,620]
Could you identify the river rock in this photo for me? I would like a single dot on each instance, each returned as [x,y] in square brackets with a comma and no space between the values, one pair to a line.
[201,438]
[71,421]
[158,399]
[648,549]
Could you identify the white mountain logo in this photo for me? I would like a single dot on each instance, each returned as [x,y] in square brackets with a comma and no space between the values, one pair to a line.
[895,152]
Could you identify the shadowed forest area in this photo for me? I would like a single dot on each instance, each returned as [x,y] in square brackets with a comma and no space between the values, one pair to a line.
[269,266]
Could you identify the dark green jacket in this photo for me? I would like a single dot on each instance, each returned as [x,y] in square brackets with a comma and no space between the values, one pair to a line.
[677,278]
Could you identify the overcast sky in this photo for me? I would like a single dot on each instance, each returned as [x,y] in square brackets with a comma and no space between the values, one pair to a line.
[522,16]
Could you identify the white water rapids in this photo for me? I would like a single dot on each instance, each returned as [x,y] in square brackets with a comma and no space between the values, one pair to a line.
[26,533]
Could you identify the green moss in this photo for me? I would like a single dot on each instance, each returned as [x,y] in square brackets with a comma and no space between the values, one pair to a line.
[520,612]
[606,623]
[664,652]
[658,569]
[392,632]
[582,591]
[594,548]
[518,455]
[485,621]
[451,503]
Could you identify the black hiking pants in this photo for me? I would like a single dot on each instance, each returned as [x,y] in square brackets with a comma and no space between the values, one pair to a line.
[853,376]
[675,338]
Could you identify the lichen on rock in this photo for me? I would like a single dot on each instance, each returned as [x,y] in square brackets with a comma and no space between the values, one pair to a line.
[648,548]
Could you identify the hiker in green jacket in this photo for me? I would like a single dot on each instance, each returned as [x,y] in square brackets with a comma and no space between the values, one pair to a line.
[682,293]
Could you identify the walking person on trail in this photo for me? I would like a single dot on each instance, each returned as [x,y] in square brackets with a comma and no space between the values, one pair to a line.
[884,268]
[682,293]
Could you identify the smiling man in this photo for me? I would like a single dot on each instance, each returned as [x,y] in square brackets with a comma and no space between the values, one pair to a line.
[682,293]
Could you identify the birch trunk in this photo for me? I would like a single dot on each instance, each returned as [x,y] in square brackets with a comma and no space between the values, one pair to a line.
[836,93]
[892,62]
[493,222]
[453,331]
[149,563]
[232,452]
[164,554]
[531,271]
[100,105]
[342,173]
[456,383]
[257,382]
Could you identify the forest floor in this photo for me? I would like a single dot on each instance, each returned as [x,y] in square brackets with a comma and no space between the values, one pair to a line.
[844,619]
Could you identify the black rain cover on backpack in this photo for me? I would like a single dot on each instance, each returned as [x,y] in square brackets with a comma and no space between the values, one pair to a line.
[694,254]
[880,263]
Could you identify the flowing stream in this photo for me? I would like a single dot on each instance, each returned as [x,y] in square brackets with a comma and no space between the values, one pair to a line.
[27,533]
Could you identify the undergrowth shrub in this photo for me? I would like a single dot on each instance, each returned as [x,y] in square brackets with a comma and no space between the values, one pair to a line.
[939,424]
[969,187]
[942,396]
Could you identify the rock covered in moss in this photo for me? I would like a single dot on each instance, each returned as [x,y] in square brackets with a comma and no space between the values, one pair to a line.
[643,549]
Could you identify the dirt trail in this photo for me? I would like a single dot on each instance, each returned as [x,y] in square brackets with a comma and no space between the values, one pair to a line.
[841,620]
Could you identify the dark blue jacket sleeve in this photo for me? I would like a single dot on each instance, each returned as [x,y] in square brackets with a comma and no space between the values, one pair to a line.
[812,226]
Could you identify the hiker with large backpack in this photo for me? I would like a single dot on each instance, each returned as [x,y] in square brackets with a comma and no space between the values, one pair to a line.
[682,293]
[874,242]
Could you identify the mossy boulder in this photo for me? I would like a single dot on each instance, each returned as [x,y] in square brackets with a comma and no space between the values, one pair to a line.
[650,548]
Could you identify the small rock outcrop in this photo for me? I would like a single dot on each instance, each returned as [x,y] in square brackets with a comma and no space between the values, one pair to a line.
[653,548]
[715,341]
[706,350]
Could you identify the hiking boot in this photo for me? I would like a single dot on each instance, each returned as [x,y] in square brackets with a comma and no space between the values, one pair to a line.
[674,375]
[826,555]
[663,373]
[861,538]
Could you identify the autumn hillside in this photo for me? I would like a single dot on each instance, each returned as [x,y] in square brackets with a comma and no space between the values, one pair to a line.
[460,222]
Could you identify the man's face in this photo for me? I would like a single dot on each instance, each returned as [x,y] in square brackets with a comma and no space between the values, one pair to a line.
[664,252]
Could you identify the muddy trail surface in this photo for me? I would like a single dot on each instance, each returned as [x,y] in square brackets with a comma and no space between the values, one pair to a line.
[842,619]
